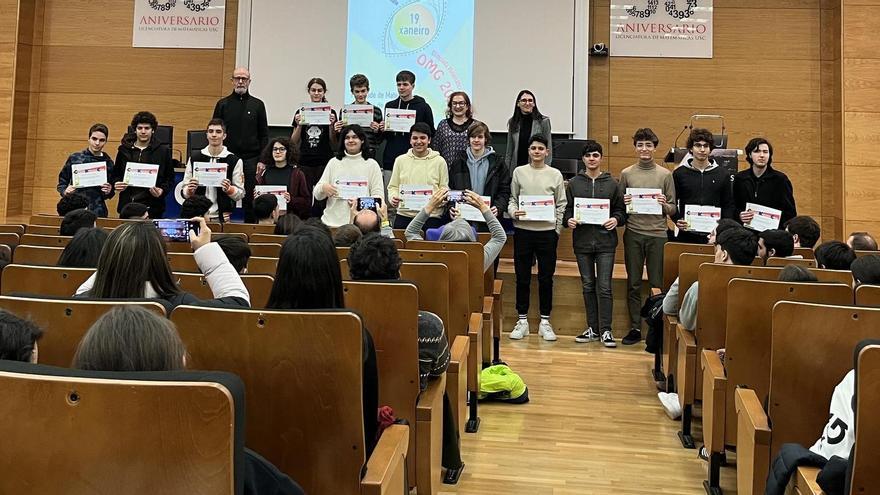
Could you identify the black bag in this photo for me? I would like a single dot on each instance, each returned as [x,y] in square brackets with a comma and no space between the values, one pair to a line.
[652,312]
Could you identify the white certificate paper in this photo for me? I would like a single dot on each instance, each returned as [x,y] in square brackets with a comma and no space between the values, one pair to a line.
[701,218]
[538,208]
[314,114]
[592,211]
[415,196]
[644,201]
[92,174]
[361,115]
[399,120]
[278,191]
[209,174]
[352,187]
[141,174]
[472,214]
[765,218]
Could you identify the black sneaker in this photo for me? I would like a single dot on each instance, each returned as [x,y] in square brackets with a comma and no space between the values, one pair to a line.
[588,336]
[633,337]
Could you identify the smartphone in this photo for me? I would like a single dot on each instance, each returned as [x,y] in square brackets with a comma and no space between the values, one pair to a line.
[369,204]
[176,230]
[453,197]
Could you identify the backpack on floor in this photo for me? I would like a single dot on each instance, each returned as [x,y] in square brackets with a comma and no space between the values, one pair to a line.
[500,383]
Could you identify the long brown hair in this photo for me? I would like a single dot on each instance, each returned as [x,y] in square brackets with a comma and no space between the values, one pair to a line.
[133,255]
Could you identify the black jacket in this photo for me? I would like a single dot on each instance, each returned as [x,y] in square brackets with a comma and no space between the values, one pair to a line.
[497,180]
[772,189]
[156,154]
[396,143]
[247,128]
[709,188]
[594,238]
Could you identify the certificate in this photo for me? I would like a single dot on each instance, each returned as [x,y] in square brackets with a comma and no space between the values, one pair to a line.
[92,174]
[278,191]
[538,208]
[472,214]
[592,211]
[701,218]
[141,174]
[351,187]
[644,201]
[399,120]
[361,115]
[209,174]
[314,114]
[765,218]
[415,196]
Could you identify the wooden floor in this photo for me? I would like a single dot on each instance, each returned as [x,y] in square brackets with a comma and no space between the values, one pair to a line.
[593,426]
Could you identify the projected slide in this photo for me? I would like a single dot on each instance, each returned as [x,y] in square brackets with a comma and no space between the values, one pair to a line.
[432,38]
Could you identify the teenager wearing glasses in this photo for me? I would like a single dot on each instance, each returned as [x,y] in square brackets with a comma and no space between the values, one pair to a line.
[526,121]
[278,167]
[451,136]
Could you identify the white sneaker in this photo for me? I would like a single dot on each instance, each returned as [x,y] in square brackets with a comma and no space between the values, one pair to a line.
[520,330]
[670,404]
[546,331]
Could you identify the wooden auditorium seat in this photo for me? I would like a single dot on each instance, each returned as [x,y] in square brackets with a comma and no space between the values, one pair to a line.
[247,228]
[37,255]
[45,240]
[182,262]
[868,295]
[672,251]
[277,239]
[112,223]
[258,286]
[265,249]
[805,252]
[259,265]
[805,262]
[43,229]
[12,229]
[43,280]
[44,219]
[10,239]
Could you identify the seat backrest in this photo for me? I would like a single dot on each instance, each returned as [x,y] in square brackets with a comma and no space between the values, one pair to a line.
[116,222]
[265,249]
[247,228]
[809,263]
[811,353]
[475,256]
[12,229]
[183,262]
[303,376]
[10,239]
[65,321]
[868,295]
[866,462]
[216,234]
[43,280]
[258,286]
[259,265]
[257,237]
[457,263]
[45,240]
[671,254]
[749,318]
[688,264]
[400,234]
[164,437]
[833,276]
[42,229]
[806,252]
[52,220]
[37,255]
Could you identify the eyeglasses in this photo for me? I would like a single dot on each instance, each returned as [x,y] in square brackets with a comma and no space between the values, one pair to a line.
[240,78]
[279,149]
[459,104]
[526,101]
[594,154]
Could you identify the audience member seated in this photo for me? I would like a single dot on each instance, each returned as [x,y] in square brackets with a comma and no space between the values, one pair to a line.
[132,339]
[459,230]
[287,224]
[866,270]
[18,338]
[308,277]
[804,230]
[775,243]
[75,201]
[133,265]
[371,220]
[75,220]
[195,206]
[796,273]
[237,252]
[316,223]
[861,241]
[134,210]
[84,249]
[834,255]
[266,209]
[346,235]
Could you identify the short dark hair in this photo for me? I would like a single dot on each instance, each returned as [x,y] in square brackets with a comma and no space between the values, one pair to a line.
[590,146]
[70,202]
[405,75]
[75,220]
[834,255]
[781,241]
[374,257]
[236,250]
[318,224]
[361,134]
[217,121]
[99,127]
[195,206]
[346,235]
[477,128]
[724,224]
[698,135]
[358,80]
[740,243]
[645,134]
[866,269]
[133,210]
[753,144]
[17,337]
[421,127]
[84,249]
[144,118]
[863,241]
[365,226]
[538,138]
[797,273]
[264,205]
[807,230]
[287,224]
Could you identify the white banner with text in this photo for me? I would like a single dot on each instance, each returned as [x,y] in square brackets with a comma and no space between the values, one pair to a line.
[179,23]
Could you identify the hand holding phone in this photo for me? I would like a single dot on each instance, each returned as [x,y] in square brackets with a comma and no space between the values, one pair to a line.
[369,203]
[177,230]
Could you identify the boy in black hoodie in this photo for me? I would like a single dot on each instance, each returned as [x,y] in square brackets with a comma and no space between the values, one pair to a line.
[141,146]
[762,184]
[594,245]
[397,143]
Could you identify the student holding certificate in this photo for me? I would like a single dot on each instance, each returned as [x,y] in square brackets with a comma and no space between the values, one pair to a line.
[360,89]
[226,192]
[315,142]
[140,148]
[277,167]
[762,184]
[594,238]
[397,142]
[349,175]
[94,153]
[482,170]
[417,175]
[537,203]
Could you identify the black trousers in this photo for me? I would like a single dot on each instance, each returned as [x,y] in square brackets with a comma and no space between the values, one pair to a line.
[528,245]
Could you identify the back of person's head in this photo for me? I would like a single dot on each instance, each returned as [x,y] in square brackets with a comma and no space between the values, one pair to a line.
[834,255]
[721,226]
[866,269]
[84,249]
[237,252]
[796,273]
[195,206]
[645,134]
[133,255]
[421,127]
[458,230]
[862,241]
[287,224]
[739,244]
[777,243]
[18,338]
[75,220]
[264,206]
[70,202]
[130,338]
[368,221]
[134,210]
[806,230]
[308,275]
[346,235]
[374,257]
[318,224]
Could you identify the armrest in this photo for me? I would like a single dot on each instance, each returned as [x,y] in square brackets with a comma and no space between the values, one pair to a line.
[804,481]
[752,442]
[487,306]
[498,288]
[714,400]
[685,339]
[672,319]
[686,371]
[475,356]
[431,398]
[655,291]
[497,291]
[475,327]
[458,354]
[386,468]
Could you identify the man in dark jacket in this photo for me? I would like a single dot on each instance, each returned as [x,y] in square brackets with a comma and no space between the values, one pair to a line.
[247,131]
[141,146]
[701,182]
[397,143]
[93,153]
[762,184]
[594,243]
[482,171]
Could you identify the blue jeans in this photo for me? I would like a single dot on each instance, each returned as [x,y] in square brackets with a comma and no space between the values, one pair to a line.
[596,270]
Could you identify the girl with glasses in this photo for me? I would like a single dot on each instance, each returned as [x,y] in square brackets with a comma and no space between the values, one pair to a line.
[450,138]
[277,167]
